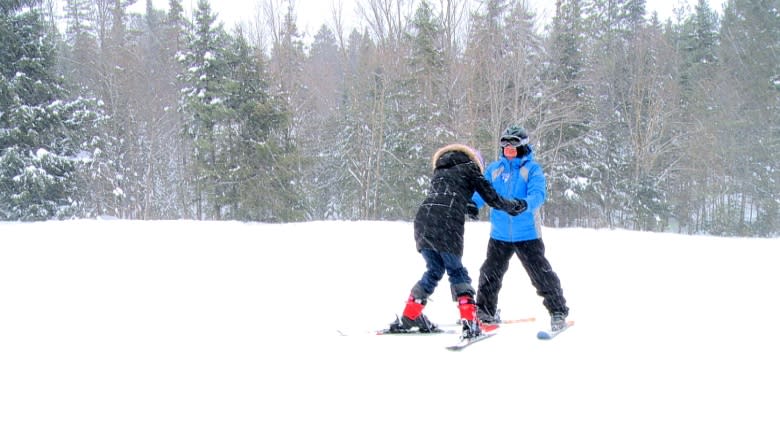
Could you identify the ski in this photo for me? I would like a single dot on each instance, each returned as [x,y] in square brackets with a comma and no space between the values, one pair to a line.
[466,342]
[501,323]
[454,328]
[513,321]
[437,332]
[549,335]
[386,331]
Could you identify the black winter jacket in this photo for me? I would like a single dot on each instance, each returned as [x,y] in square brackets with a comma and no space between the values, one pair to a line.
[440,221]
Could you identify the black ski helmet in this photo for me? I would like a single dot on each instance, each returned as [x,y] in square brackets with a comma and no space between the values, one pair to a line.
[514,131]
[518,133]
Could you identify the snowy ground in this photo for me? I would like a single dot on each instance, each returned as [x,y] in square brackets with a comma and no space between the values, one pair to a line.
[120,329]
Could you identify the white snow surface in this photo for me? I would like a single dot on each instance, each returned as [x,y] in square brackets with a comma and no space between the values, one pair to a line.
[186,329]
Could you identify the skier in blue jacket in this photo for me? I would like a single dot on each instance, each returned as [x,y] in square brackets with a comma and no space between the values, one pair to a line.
[517,176]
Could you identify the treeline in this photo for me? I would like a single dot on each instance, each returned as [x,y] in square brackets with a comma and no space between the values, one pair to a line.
[639,124]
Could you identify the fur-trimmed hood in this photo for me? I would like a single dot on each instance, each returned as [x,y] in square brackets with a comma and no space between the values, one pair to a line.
[472,153]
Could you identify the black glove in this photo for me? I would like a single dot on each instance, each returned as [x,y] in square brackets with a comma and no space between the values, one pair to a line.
[516,207]
[472,211]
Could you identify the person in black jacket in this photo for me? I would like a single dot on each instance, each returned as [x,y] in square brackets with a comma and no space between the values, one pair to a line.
[438,232]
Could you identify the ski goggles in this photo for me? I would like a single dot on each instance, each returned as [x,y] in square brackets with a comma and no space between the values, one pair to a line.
[512,141]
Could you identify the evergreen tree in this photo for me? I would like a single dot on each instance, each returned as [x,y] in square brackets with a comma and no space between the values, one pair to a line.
[749,103]
[81,48]
[616,27]
[121,159]
[572,182]
[42,134]
[417,121]
[699,50]
[695,38]
[175,30]
[156,126]
[359,146]
[257,179]
[325,77]
[204,107]
[287,73]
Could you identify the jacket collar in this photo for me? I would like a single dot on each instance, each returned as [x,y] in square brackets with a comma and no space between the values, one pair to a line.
[517,162]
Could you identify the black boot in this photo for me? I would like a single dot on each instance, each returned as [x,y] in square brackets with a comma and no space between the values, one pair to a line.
[471,329]
[405,324]
[558,322]
[485,317]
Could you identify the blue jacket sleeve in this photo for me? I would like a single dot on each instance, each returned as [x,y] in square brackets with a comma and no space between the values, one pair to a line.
[536,191]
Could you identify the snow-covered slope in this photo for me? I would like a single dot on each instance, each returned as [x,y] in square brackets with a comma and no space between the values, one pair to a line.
[122,329]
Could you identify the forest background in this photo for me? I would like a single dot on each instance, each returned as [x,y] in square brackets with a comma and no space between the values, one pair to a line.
[639,124]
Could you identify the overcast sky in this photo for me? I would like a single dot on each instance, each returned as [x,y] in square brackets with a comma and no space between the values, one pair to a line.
[313,13]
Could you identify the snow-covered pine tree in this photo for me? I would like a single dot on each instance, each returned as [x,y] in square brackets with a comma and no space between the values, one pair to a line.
[41,135]
[202,103]
[257,183]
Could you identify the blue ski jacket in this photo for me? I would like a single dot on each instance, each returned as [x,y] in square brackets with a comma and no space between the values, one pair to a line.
[521,178]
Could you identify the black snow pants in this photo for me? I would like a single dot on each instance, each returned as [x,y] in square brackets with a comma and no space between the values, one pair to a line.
[531,255]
